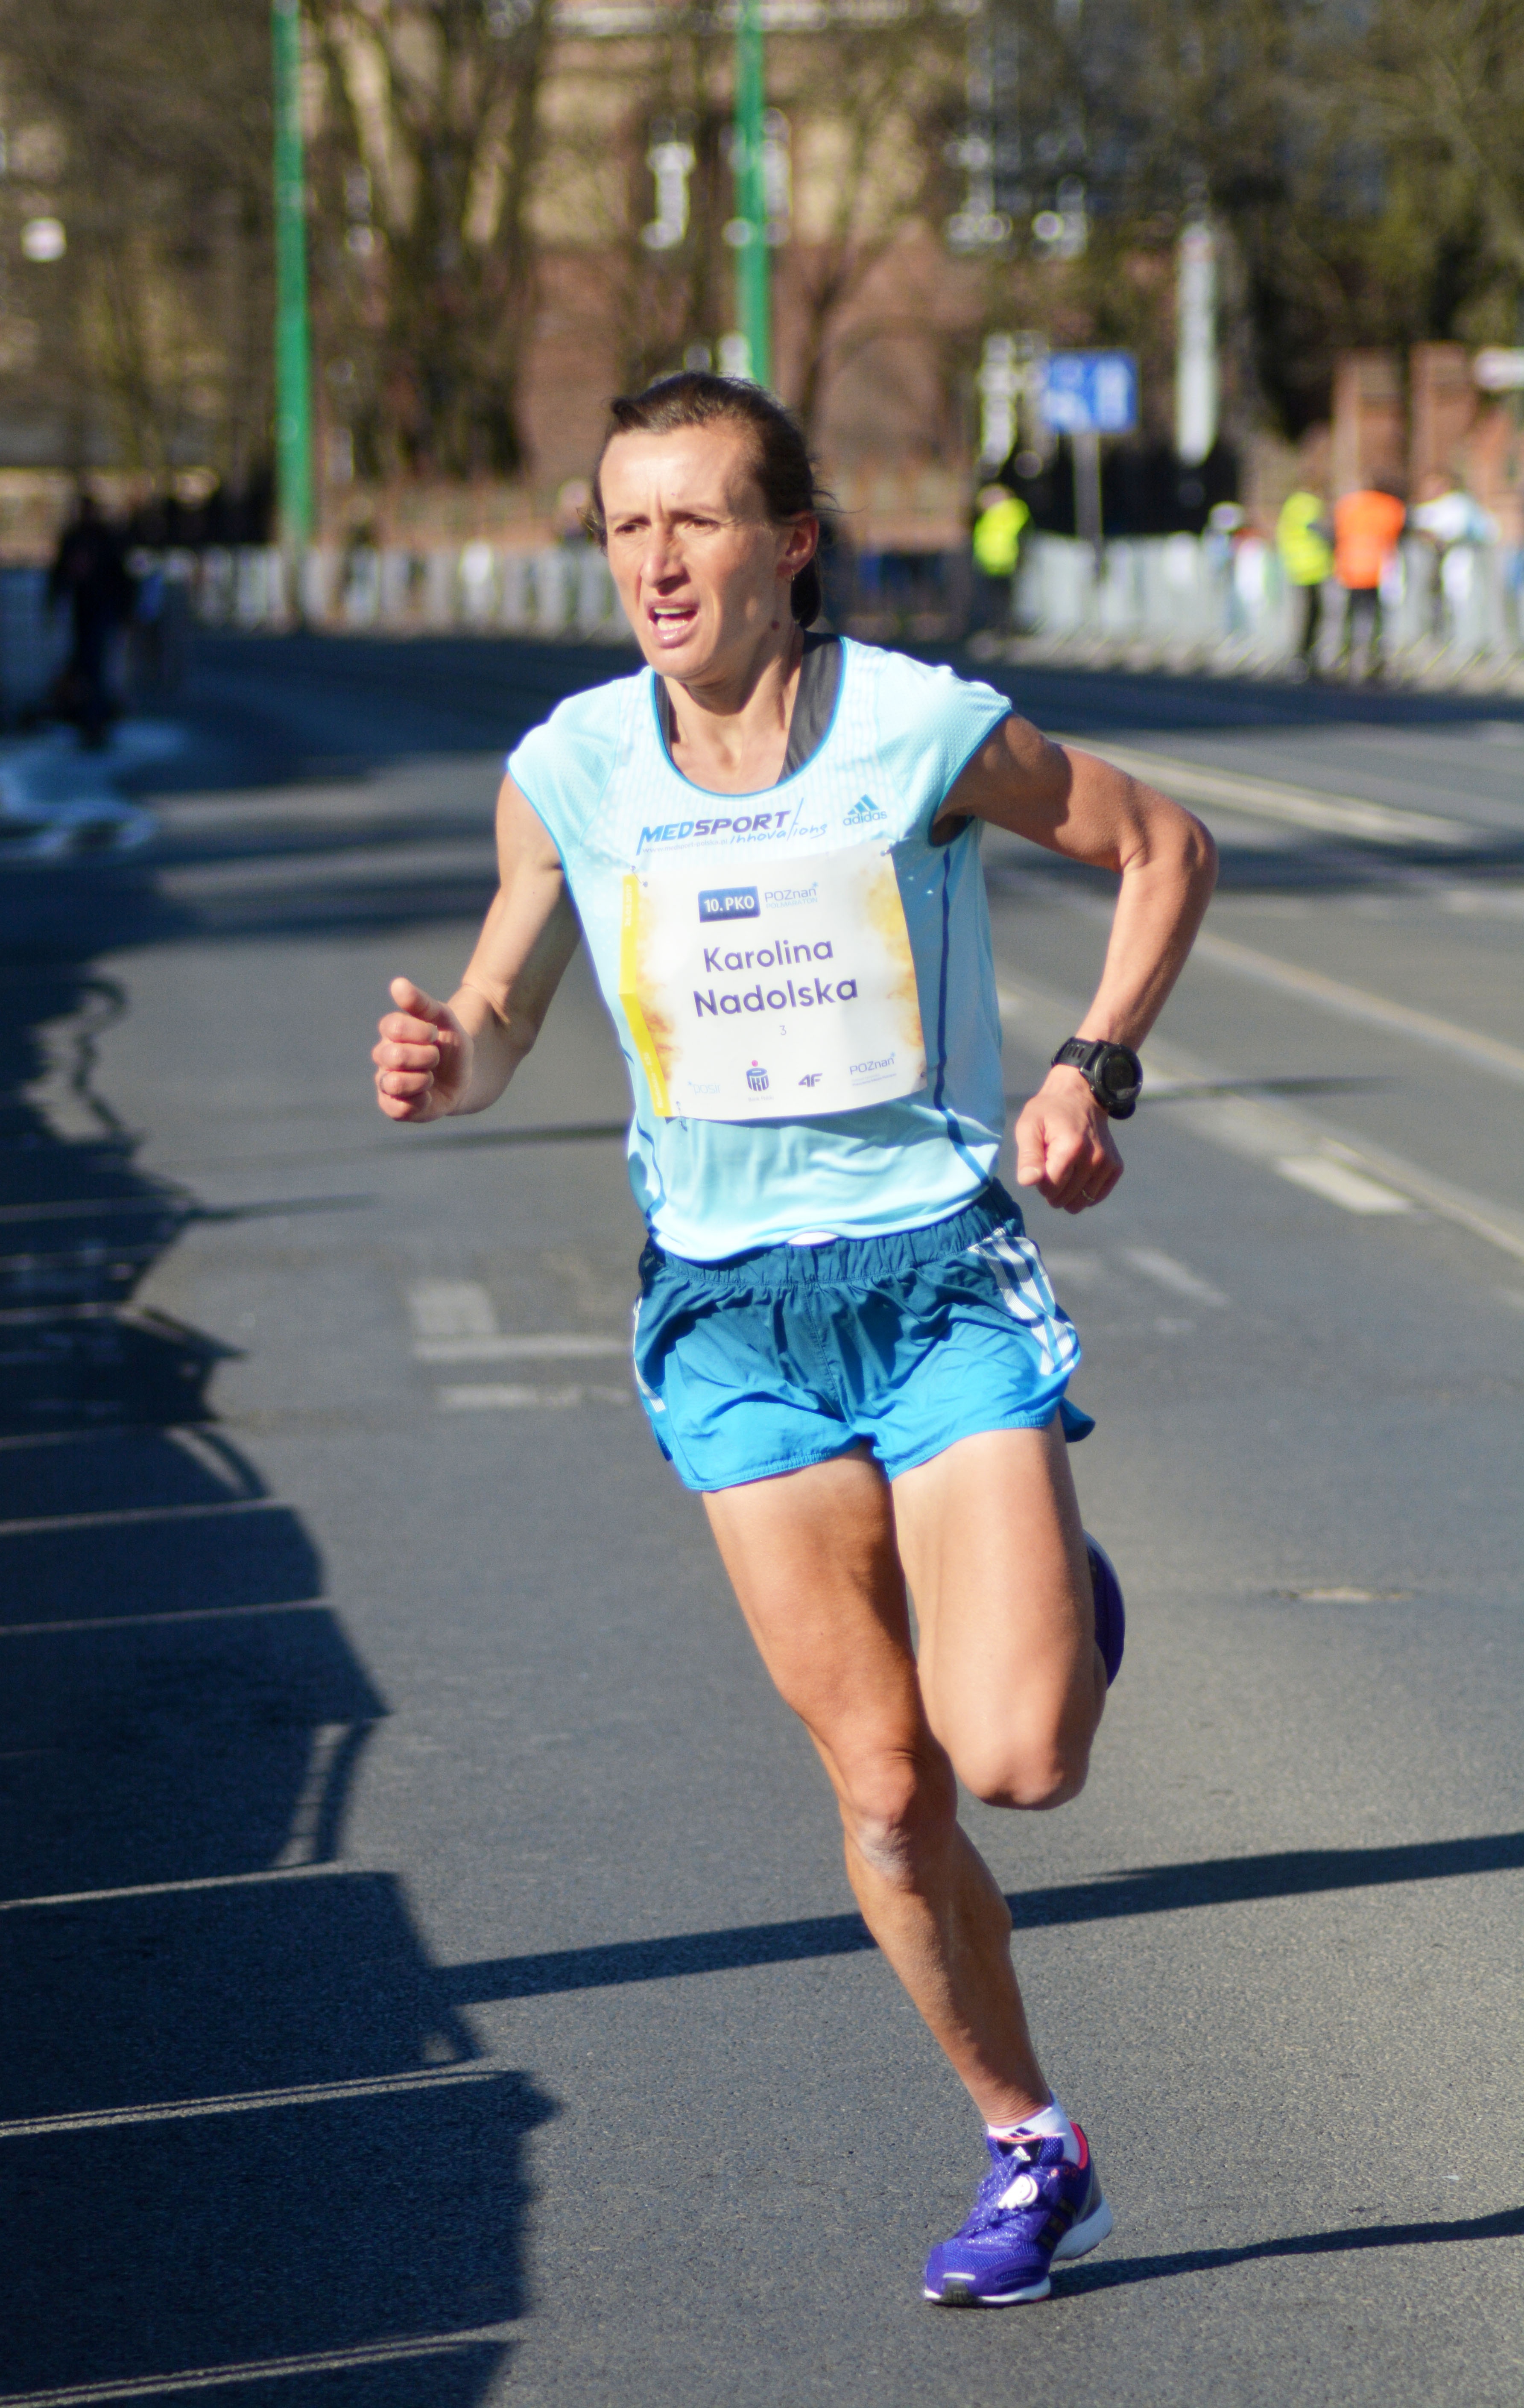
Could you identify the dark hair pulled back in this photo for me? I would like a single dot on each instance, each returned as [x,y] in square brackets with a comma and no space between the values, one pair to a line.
[782,462]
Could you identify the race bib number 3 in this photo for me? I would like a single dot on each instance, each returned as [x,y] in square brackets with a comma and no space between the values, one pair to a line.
[772,993]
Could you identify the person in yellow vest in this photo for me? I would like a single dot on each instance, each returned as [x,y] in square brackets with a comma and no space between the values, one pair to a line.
[997,549]
[1302,540]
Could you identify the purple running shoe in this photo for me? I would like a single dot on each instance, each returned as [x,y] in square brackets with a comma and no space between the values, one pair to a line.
[1110,1617]
[1035,2208]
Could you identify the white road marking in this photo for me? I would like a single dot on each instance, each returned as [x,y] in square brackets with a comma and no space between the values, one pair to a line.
[1166,1272]
[1195,781]
[498,1395]
[1348,1596]
[171,1888]
[546,1347]
[1476,1046]
[1079,1270]
[261,2369]
[1491,1054]
[451,1308]
[1259,1129]
[1340,1183]
[119,1516]
[244,2102]
[1481,902]
[456,1322]
[138,1621]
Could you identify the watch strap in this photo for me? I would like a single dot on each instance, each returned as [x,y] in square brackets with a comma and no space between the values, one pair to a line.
[1086,1055]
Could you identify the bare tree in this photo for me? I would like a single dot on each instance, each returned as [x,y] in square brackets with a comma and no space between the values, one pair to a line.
[146,133]
[868,135]
[1443,80]
[423,166]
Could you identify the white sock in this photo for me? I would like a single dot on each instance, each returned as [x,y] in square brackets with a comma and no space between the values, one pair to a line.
[1050,2123]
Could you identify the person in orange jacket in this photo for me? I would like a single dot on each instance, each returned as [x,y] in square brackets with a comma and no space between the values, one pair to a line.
[1366,527]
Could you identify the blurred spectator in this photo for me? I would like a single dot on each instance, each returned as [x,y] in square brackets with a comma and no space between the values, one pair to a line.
[90,573]
[996,552]
[1225,523]
[572,504]
[1455,523]
[1366,527]
[1303,539]
[1251,567]
[153,637]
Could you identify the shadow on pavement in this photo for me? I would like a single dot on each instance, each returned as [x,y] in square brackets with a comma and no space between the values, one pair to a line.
[1114,2276]
[1162,1889]
[346,701]
[267,712]
[241,2136]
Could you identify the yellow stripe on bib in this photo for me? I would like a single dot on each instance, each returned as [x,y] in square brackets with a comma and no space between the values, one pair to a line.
[630,996]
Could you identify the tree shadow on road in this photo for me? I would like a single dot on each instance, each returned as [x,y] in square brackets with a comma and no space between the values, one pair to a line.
[241,2134]
[1155,1889]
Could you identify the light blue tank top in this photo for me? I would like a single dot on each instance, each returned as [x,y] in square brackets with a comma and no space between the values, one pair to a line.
[598,774]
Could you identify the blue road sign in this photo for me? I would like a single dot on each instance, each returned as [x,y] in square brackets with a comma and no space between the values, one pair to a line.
[1090,393]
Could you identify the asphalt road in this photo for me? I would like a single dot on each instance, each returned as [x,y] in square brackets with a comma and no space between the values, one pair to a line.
[432,1979]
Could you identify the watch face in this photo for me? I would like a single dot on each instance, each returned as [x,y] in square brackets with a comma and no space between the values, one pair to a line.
[1118,1076]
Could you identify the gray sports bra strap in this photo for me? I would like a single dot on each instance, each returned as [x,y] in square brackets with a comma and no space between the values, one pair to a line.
[814,702]
[820,679]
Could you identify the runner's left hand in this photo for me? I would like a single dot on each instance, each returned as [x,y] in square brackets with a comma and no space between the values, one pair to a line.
[1064,1144]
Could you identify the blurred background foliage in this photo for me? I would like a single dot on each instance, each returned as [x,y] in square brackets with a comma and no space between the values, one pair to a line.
[480,174]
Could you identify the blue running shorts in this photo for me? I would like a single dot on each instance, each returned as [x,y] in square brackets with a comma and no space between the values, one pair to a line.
[790,1355]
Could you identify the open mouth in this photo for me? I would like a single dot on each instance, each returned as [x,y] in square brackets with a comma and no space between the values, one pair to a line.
[670,622]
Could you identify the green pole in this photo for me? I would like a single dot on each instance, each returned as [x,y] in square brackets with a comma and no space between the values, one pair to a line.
[753,265]
[292,355]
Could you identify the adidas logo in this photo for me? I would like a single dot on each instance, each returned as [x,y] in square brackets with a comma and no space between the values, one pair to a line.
[863,813]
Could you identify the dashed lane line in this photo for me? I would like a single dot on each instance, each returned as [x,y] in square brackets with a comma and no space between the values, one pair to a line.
[1475,1046]
[496,1395]
[1342,1183]
[451,1308]
[1493,1054]
[549,1346]
[455,1321]
[1166,1272]
[1259,1130]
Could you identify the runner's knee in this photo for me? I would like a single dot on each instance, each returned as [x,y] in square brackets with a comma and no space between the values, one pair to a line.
[1033,1774]
[898,1805]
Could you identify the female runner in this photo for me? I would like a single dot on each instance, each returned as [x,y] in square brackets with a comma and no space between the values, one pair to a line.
[844,1339]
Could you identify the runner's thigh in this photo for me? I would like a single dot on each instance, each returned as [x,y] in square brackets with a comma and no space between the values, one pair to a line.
[990,1539]
[811,1558]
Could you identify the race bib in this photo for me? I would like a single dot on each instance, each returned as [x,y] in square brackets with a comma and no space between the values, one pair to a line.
[785,991]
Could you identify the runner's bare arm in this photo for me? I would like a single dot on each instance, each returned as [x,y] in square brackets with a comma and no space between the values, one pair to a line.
[434,1058]
[1087,810]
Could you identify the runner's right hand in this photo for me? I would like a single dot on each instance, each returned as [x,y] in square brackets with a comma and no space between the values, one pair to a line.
[424,1057]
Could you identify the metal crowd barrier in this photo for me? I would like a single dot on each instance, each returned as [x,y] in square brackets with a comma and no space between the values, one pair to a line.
[1226,603]
[556,590]
[1178,601]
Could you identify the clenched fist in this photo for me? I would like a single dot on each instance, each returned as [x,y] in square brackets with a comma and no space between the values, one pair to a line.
[423,1058]
[1064,1145]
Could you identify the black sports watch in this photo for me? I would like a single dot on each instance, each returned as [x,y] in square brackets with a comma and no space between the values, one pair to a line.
[1112,1073]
